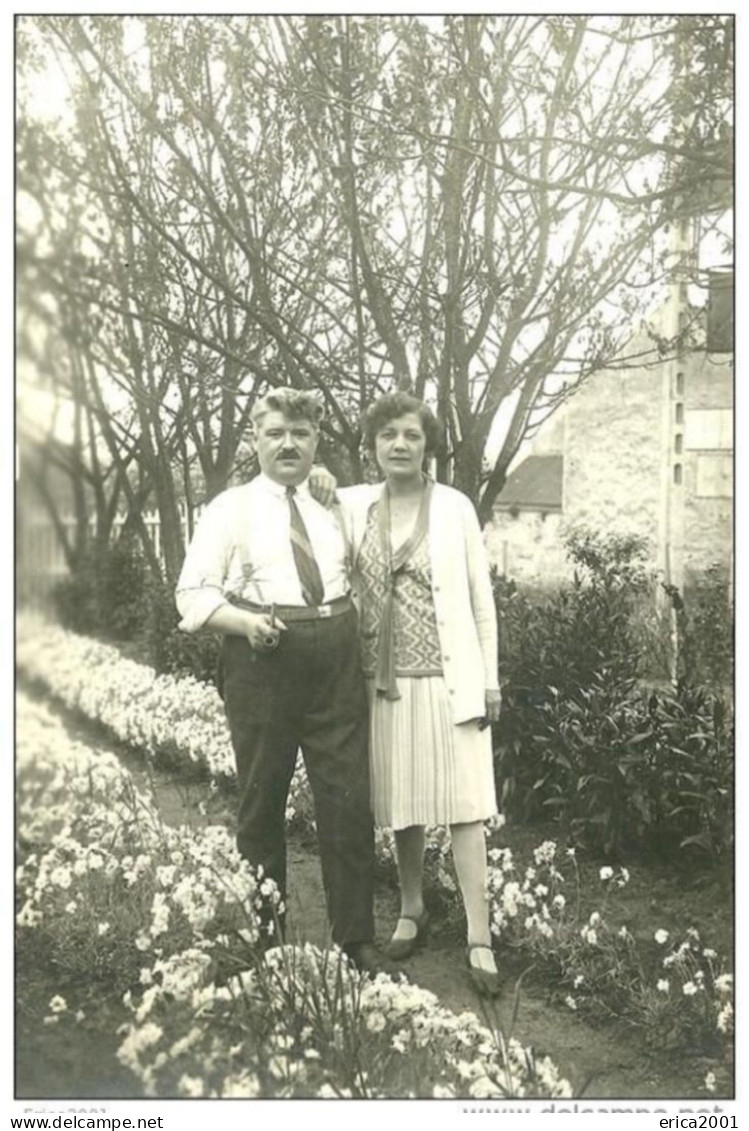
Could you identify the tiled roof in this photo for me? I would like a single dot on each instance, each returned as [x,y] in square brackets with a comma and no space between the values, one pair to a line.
[535,485]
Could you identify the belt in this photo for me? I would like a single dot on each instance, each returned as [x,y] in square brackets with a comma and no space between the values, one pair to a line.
[288,613]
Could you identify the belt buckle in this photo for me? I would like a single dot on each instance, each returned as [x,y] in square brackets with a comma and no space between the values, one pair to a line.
[323,611]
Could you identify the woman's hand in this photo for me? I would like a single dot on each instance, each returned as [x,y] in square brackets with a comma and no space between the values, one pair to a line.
[322,485]
[493,701]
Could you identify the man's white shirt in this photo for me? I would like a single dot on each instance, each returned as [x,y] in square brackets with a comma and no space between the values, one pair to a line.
[242,548]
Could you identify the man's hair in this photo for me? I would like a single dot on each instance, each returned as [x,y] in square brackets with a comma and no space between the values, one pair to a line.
[295,404]
[390,407]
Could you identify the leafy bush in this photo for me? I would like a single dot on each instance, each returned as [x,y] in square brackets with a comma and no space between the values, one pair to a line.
[626,769]
[166,647]
[105,594]
[692,780]
[113,595]
[704,619]
[550,649]
[580,736]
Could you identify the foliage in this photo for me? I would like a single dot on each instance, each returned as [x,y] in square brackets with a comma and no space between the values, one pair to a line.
[105,594]
[691,790]
[705,627]
[111,893]
[553,649]
[540,910]
[166,647]
[680,1000]
[581,737]
[466,204]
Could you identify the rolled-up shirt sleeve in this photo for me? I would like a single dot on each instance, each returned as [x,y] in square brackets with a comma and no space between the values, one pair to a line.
[200,589]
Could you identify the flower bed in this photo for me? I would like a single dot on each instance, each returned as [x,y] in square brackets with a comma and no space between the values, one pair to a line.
[680,1000]
[178,723]
[111,894]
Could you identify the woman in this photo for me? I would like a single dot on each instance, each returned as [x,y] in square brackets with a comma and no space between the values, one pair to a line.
[429,651]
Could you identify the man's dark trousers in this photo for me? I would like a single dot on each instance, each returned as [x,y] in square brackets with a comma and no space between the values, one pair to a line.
[308,692]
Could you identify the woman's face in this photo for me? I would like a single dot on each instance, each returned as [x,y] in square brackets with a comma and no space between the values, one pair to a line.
[400,446]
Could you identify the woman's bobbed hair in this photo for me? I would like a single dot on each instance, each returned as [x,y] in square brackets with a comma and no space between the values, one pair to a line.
[390,407]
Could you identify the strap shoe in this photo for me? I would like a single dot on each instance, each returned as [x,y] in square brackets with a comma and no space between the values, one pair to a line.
[486,983]
[400,948]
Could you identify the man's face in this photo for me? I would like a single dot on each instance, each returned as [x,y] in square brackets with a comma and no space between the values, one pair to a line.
[286,448]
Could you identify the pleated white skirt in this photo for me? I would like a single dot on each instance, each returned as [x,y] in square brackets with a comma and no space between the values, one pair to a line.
[425,769]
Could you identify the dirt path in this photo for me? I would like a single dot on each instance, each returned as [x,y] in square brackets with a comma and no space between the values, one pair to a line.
[612,1063]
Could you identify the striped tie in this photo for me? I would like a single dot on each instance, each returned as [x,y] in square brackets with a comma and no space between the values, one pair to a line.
[304,558]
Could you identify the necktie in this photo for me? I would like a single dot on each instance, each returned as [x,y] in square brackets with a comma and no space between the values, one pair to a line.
[304,558]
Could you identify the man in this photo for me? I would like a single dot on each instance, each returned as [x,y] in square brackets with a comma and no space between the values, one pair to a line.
[267,569]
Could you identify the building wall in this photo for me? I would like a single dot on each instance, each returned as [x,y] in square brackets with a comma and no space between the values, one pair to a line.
[527,547]
[707,473]
[648,452]
[613,454]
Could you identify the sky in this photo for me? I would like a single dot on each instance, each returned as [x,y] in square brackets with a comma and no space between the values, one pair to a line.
[49,99]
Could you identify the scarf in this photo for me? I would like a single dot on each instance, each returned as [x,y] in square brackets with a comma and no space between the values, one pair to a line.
[385,682]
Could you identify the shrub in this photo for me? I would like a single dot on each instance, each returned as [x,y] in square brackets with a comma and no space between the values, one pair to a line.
[105,594]
[166,647]
[704,619]
[553,648]
[582,738]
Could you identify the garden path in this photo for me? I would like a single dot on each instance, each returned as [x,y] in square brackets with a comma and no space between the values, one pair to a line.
[613,1063]
[599,1062]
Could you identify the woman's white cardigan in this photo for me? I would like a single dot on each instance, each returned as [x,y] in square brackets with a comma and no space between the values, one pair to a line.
[461,589]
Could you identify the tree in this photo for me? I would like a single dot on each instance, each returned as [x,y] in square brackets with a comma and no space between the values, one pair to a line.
[466,206]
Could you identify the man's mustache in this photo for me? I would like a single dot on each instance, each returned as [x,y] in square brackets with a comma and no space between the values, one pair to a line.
[288,455]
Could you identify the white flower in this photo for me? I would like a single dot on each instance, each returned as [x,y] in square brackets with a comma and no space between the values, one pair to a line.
[80,1015]
[579,979]
[623,933]
[559,901]
[102,929]
[661,937]
[725,1017]
[570,1001]
[190,1086]
[595,919]
[58,1004]
[570,852]
[664,985]
[708,953]
[545,852]
[623,877]
[710,1081]
[723,983]
[689,989]
[606,873]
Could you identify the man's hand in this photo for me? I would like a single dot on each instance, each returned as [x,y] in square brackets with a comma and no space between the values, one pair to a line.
[262,632]
[322,485]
